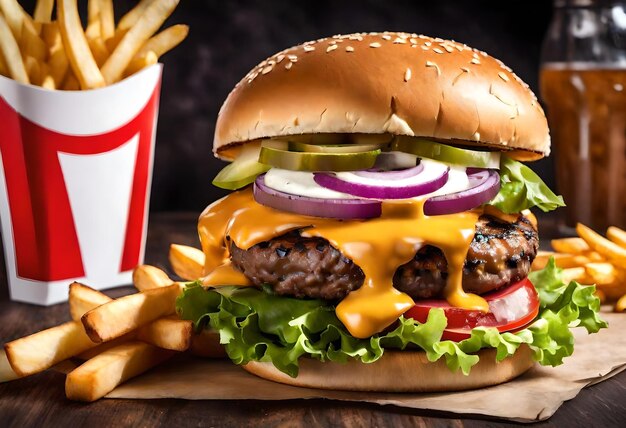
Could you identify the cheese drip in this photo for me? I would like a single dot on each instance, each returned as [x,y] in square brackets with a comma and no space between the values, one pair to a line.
[378,246]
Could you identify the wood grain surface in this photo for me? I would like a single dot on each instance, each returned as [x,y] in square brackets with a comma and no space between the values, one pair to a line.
[40,400]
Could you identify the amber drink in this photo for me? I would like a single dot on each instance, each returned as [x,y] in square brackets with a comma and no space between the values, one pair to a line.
[586,109]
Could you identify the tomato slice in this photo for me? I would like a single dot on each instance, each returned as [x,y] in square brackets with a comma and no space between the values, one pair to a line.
[510,309]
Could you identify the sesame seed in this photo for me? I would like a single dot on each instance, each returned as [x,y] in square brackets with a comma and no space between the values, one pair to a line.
[288,65]
[267,69]
[292,58]
[475,61]
[399,40]
[349,49]
[308,48]
[279,58]
[386,37]
[465,69]
[428,43]
[263,63]
[375,45]
[333,42]
[271,62]
[413,46]
[503,76]
[413,41]
[432,64]
[407,75]
[331,48]
[425,47]
[459,48]
[439,51]
[448,48]
[477,136]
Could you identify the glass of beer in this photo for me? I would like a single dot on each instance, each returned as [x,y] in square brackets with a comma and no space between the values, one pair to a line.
[583,85]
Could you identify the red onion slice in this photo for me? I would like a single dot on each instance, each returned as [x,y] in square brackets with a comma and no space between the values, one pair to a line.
[345,209]
[420,181]
[379,174]
[484,185]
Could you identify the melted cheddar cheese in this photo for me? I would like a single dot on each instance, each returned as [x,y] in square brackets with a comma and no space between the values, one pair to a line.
[378,246]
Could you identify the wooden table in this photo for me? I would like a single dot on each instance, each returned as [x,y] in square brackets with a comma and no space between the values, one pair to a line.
[40,400]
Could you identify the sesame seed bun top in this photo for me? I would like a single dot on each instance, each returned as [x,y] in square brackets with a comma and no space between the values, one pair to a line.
[385,83]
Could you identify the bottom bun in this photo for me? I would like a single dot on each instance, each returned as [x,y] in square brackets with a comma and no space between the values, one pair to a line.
[400,371]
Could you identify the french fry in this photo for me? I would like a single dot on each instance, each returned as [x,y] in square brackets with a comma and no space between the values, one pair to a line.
[570,245]
[99,50]
[127,313]
[4,68]
[43,10]
[167,333]
[105,346]
[58,63]
[601,273]
[6,372]
[40,351]
[187,262]
[561,260]
[620,305]
[573,274]
[112,42]
[164,41]
[71,83]
[146,277]
[78,52]
[11,53]
[100,375]
[48,82]
[107,19]
[82,299]
[140,63]
[93,20]
[617,235]
[609,249]
[133,15]
[15,17]
[155,14]
[30,42]
[33,69]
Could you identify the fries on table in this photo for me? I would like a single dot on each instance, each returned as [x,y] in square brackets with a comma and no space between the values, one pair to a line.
[100,375]
[128,313]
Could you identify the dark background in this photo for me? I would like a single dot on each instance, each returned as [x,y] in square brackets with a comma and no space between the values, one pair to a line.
[228,38]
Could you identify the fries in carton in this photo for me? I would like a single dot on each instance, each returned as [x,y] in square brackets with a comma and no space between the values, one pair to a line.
[75,173]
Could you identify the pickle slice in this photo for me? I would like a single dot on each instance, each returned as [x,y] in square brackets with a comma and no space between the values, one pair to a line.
[242,171]
[296,146]
[277,154]
[432,150]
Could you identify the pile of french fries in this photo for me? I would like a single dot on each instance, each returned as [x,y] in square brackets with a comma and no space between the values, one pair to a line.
[591,258]
[61,54]
[115,339]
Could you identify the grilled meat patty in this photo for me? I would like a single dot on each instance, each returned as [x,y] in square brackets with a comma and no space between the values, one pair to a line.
[500,254]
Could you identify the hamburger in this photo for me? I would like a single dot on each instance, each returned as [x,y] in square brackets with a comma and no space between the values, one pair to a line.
[378,236]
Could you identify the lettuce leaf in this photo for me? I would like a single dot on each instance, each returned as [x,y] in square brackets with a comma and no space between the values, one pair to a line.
[258,326]
[521,188]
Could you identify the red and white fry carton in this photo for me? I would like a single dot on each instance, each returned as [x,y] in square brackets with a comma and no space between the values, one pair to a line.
[75,174]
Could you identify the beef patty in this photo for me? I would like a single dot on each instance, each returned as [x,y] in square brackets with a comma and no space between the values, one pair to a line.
[500,254]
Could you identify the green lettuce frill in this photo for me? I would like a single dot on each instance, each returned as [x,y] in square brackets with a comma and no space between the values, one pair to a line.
[257,326]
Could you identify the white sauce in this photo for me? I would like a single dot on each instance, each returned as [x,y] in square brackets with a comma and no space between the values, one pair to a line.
[302,183]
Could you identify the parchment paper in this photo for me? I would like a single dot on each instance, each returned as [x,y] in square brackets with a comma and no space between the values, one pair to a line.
[537,394]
